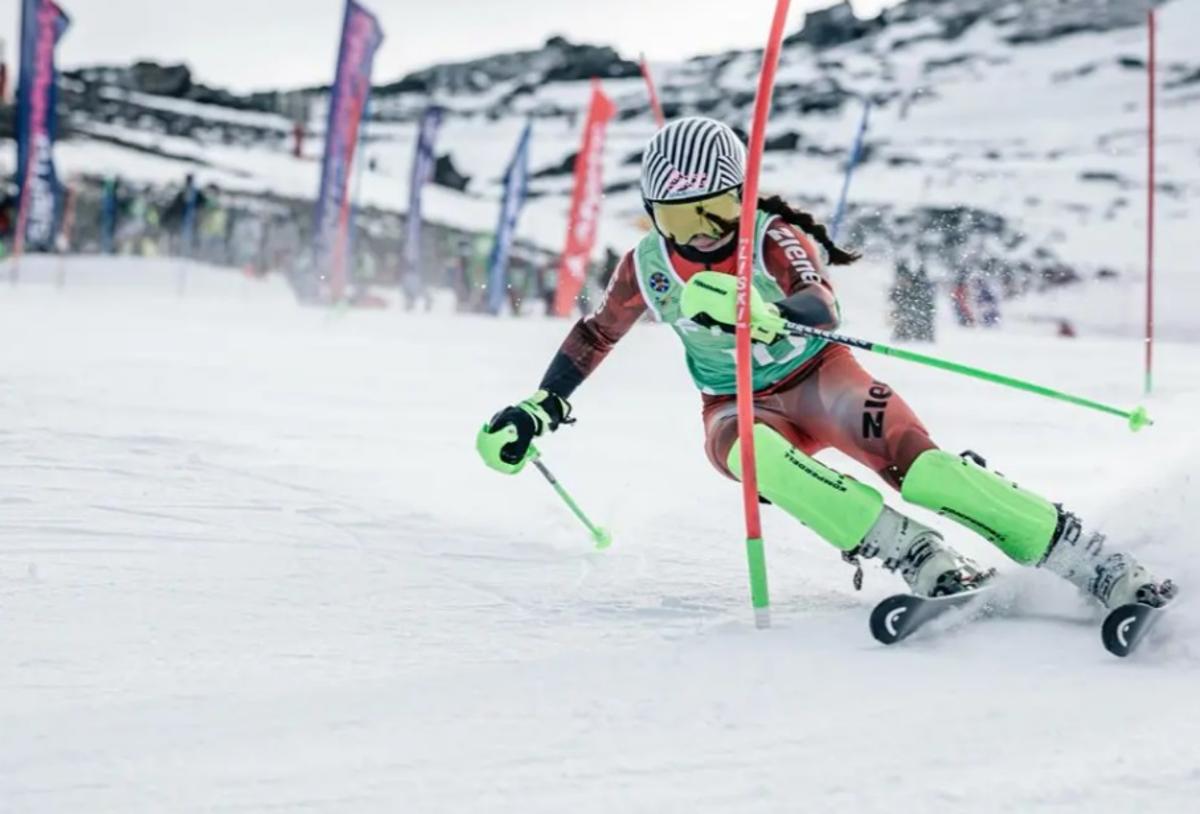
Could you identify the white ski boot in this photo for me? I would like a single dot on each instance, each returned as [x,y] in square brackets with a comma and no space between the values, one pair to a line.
[928,565]
[1113,579]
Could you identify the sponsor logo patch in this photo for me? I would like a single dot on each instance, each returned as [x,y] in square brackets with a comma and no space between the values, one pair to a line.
[678,182]
[875,410]
[796,255]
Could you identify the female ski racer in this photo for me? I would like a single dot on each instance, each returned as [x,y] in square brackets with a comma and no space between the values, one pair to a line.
[809,394]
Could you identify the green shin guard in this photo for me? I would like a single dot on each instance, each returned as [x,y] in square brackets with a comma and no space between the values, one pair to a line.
[840,509]
[1018,522]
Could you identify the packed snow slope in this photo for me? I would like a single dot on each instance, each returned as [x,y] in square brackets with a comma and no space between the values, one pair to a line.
[251,562]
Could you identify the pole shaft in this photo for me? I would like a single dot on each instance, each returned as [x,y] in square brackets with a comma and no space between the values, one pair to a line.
[1151,71]
[562,493]
[999,378]
[955,367]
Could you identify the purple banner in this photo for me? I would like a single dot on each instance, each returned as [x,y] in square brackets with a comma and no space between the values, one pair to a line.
[424,162]
[516,189]
[42,25]
[361,37]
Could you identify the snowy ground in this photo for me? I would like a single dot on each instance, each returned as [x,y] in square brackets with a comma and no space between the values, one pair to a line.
[250,562]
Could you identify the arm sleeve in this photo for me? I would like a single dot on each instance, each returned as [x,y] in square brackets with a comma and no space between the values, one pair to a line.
[595,335]
[793,261]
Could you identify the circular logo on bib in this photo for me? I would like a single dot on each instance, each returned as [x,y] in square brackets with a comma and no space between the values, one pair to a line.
[659,283]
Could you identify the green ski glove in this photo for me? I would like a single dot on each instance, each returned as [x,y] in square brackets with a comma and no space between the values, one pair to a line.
[505,442]
[710,298]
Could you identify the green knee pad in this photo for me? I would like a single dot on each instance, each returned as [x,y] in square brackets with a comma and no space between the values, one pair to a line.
[1018,522]
[840,509]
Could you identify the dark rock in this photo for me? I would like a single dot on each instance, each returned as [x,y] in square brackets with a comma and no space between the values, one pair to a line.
[447,175]
[558,61]
[1077,73]
[1043,21]
[1101,175]
[955,26]
[1192,78]
[783,142]
[160,80]
[949,62]
[620,186]
[564,167]
[836,25]
[587,61]
[414,83]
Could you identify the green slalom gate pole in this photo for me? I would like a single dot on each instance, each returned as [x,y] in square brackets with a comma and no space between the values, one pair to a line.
[600,535]
[1137,418]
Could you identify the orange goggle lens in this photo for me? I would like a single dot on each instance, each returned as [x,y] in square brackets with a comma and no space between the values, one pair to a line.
[708,217]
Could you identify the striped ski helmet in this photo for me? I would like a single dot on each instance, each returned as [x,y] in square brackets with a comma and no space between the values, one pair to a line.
[692,158]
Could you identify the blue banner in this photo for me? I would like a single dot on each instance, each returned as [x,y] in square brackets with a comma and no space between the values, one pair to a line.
[855,155]
[42,25]
[516,188]
[361,38]
[424,160]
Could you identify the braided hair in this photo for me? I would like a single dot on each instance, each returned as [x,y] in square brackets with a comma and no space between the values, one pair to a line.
[776,205]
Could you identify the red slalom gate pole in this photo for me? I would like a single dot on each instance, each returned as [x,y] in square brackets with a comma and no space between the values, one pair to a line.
[759,594]
[655,106]
[1151,71]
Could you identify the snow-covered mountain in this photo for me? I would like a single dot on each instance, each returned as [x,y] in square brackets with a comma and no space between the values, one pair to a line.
[1003,135]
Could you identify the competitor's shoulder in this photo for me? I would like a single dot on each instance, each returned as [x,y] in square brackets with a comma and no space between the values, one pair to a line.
[787,236]
[623,292]
[626,270]
[787,250]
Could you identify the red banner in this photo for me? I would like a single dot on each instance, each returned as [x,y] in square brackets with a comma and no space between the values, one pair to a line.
[585,203]
[655,107]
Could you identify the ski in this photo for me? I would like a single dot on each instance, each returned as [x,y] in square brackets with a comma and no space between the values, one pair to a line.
[1126,626]
[899,616]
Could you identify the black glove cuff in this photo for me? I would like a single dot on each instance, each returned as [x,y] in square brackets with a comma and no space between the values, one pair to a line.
[558,409]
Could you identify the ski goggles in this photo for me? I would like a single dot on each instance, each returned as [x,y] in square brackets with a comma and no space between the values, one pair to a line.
[712,217]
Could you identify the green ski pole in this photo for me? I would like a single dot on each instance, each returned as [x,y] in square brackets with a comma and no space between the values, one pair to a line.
[1137,418]
[600,535]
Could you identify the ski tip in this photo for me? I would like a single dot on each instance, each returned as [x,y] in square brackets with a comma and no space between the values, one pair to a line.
[888,619]
[1125,627]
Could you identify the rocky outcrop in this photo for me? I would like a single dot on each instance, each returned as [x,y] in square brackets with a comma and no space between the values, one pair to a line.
[557,61]
[836,25]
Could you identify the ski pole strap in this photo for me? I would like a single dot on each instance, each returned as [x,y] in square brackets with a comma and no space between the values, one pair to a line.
[1137,418]
[600,535]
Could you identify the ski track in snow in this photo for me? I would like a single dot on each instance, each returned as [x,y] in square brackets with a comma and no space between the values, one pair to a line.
[250,562]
